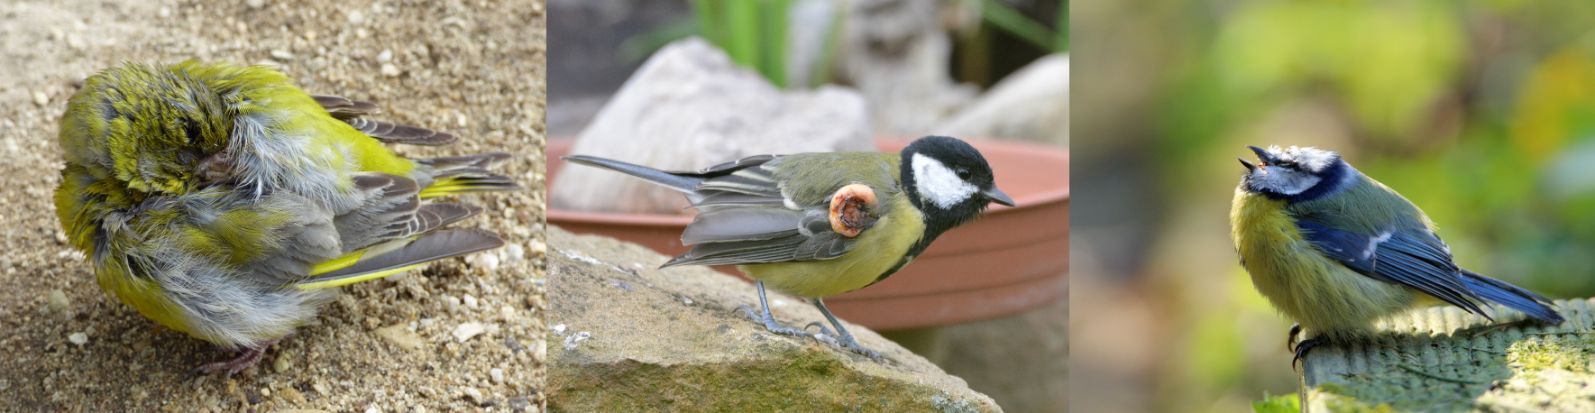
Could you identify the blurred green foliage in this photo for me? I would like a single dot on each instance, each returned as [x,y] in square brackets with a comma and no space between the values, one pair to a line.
[1482,113]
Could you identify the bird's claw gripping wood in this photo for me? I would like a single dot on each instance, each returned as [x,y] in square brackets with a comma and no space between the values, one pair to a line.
[1301,350]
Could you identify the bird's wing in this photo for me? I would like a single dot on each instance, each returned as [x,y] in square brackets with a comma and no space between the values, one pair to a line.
[354,113]
[1414,258]
[747,215]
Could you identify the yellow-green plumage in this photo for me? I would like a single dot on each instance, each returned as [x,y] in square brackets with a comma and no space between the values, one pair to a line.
[1320,294]
[205,194]
[878,250]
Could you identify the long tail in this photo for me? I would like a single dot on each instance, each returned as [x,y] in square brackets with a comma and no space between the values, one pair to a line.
[1511,296]
[679,182]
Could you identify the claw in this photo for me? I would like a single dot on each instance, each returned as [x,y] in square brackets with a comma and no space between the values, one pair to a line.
[1302,349]
[1290,341]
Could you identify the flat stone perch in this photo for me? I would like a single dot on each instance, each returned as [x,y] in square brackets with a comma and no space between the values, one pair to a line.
[629,337]
[1443,359]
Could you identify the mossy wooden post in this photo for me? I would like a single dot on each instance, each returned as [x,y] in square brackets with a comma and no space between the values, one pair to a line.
[1443,359]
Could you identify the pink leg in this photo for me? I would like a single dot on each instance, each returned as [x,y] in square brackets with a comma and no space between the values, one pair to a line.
[247,357]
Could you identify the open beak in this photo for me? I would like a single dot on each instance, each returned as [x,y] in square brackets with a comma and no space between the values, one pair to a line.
[996,195]
[1248,165]
[1263,155]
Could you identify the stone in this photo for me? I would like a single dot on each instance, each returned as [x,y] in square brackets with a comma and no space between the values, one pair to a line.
[689,107]
[654,350]
[466,331]
[401,336]
[1030,104]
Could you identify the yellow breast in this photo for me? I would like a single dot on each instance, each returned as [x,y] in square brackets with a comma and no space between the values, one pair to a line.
[1315,291]
[875,252]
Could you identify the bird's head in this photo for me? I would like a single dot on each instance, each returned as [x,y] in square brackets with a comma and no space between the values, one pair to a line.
[948,179]
[1294,173]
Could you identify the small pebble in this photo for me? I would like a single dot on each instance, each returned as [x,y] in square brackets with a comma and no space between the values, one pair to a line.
[281,364]
[78,338]
[41,99]
[385,56]
[512,252]
[468,330]
[497,374]
[488,262]
[470,301]
[255,4]
[356,17]
[265,392]
[401,336]
[558,329]
[373,409]
[281,55]
[389,70]
[58,302]
[475,396]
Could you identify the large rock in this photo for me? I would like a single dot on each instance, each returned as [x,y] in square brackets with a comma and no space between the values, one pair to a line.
[1031,104]
[690,107]
[628,337]
[1443,359]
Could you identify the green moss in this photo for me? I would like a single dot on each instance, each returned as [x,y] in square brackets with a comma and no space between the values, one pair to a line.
[791,380]
[1277,404]
[1548,353]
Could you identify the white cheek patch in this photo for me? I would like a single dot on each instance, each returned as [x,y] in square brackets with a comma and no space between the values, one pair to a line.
[938,184]
[1287,182]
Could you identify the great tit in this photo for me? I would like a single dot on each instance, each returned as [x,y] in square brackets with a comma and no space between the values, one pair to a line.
[821,224]
[1337,251]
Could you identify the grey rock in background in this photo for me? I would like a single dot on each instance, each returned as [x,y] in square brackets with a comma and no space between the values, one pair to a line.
[1031,104]
[690,107]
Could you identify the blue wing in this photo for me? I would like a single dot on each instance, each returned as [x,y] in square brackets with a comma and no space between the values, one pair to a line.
[1413,258]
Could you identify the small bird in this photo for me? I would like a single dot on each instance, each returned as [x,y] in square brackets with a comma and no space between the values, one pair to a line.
[820,224]
[224,202]
[1337,251]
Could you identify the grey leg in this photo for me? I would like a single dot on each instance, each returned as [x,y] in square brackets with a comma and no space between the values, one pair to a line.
[845,339]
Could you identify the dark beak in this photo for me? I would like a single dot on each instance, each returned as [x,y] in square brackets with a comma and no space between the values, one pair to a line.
[996,195]
[1248,165]
[1262,155]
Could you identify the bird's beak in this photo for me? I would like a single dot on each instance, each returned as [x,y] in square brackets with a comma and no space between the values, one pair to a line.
[1248,165]
[1263,155]
[996,195]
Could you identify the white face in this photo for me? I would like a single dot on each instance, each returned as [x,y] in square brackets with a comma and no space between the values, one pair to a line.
[1282,180]
[938,184]
[1294,170]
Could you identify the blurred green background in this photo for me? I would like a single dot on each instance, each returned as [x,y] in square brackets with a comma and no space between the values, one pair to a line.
[1482,113]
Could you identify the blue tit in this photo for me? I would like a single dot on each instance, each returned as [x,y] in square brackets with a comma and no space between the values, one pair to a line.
[820,224]
[1337,251]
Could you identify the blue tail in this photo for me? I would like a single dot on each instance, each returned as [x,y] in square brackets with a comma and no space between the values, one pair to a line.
[1511,296]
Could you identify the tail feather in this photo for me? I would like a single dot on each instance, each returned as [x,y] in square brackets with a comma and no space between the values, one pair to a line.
[1512,296]
[469,173]
[677,182]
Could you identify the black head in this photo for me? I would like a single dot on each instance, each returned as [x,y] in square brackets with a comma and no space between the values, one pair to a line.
[948,181]
[1294,173]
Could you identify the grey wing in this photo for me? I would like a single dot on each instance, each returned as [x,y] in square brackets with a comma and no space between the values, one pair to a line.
[354,113]
[744,218]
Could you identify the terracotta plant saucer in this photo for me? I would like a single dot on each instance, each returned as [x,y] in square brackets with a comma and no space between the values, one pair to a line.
[1008,261]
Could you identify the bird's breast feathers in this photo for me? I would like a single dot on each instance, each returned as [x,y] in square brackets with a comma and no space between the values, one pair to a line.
[1315,291]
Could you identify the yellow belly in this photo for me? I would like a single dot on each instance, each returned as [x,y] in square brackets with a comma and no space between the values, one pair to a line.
[1322,295]
[876,251]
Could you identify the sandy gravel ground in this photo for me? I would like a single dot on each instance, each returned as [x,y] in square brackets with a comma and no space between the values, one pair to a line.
[474,68]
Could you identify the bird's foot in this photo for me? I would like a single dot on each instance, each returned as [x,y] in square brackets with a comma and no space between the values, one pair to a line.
[772,325]
[847,342]
[245,358]
[1302,348]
